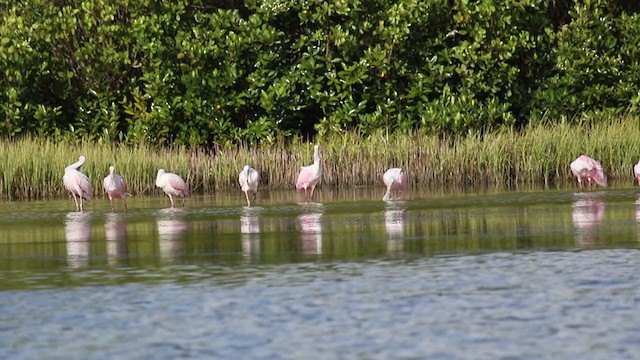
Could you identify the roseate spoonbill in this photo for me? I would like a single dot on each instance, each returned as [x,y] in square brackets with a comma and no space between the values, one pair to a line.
[115,187]
[394,179]
[172,184]
[636,172]
[249,180]
[78,183]
[587,169]
[310,175]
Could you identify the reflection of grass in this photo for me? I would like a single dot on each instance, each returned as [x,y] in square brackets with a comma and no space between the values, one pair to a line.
[33,168]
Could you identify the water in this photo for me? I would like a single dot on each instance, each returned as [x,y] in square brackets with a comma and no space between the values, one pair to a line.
[485,275]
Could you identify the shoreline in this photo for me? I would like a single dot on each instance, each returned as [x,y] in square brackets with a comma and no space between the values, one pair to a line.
[539,154]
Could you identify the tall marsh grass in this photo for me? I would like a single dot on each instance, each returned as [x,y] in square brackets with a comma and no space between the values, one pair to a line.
[33,168]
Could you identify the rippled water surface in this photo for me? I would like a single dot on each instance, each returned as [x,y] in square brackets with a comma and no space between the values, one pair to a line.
[539,274]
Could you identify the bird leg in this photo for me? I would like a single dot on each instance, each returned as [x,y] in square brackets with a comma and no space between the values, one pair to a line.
[75,200]
[170,198]
[387,194]
[113,209]
[125,202]
[246,194]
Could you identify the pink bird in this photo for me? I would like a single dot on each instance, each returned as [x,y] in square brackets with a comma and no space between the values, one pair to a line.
[587,169]
[115,187]
[394,179]
[172,184]
[78,183]
[636,172]
[310,175]
[249,180]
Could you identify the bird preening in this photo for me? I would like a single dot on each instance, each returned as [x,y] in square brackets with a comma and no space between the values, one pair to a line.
[396,181]
[78,183]
[587,169]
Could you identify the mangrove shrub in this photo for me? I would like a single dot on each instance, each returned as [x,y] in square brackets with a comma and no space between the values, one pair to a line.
[198,73]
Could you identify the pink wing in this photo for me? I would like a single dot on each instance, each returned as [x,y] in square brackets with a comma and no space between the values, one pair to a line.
[401,181]
[305,176]
[177,183]
[85,186]
[597,173]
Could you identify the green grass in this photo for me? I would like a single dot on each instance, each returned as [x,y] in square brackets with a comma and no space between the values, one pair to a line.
[33,168]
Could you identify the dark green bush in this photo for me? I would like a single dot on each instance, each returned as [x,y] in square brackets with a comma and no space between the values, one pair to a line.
[202,73]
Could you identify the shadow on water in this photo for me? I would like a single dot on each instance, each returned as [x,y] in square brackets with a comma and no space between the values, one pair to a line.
[343,225]
[587,214]
[549,273]
[311,228]
[115,233]
[250,232]
[78,235]
[394,218]
[172,228]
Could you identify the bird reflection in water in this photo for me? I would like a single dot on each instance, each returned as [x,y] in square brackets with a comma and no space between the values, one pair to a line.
[250,232]
[587,214]
[78,234]
[311,230]
[394,215]
[171,231]
[115,231]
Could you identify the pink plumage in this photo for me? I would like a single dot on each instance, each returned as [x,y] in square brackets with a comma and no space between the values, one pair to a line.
[78,183]
[172,184]
[395,180]
[115,187]
[310,175]
[636,172]
[586,169]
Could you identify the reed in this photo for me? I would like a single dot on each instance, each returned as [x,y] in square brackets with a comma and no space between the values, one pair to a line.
[32,168]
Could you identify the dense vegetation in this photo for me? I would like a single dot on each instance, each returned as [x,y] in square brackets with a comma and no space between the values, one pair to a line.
[540,154]
[198,73]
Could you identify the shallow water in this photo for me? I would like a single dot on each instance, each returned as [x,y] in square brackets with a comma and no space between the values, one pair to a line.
[493,274]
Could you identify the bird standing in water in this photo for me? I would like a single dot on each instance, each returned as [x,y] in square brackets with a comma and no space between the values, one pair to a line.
[115,187]
[78,183]
[249,180]
[587,169]
[310,175]
[394,179]
[172,184]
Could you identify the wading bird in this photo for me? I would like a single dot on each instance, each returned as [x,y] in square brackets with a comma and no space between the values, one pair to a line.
[172,184]
[78,183]
[636,172]
[249,180]
[115,187]
[587,169]
[310,175]
[395,180]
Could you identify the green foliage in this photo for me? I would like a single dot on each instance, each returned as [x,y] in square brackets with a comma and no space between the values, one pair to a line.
[203,74]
